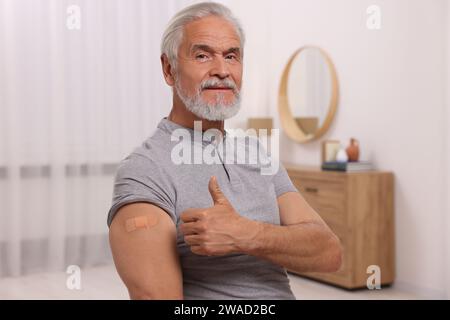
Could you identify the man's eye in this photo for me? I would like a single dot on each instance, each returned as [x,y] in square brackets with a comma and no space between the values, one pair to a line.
[201,56]
[231,56]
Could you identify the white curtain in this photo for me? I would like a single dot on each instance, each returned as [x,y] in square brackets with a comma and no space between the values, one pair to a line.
[73,103]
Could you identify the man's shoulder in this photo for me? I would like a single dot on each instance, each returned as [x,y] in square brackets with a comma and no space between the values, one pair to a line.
[240,136]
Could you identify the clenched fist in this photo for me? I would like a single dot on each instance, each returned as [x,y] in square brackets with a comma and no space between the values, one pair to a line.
[218,230]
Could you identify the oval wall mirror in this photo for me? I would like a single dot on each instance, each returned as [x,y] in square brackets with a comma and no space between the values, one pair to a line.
[308,94]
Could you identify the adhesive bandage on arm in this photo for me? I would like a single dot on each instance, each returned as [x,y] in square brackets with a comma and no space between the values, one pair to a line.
[141,222]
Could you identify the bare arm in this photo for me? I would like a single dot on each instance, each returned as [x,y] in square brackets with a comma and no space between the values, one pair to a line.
[303,242]
[146,258]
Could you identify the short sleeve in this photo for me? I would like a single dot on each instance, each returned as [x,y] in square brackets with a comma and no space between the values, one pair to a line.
[282,183]
[139,179]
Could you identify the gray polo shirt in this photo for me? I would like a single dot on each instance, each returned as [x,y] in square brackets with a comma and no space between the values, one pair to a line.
[150,174]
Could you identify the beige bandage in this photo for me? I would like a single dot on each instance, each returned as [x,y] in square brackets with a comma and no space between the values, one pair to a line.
[142,222]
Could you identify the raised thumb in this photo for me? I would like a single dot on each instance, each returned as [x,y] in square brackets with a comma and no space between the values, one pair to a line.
[216,194]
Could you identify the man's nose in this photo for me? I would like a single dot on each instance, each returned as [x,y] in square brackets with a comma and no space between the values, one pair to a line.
[220,68]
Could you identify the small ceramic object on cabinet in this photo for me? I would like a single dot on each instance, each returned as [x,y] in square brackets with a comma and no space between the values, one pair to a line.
[353,150]
[341,155]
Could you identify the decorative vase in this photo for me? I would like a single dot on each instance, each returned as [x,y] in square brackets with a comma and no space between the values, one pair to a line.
[353,150]
[341,156]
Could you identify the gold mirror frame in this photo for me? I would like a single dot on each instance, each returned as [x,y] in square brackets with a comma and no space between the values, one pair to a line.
[288,122]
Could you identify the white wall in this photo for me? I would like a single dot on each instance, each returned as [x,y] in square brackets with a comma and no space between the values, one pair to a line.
[392,99]
[447,158]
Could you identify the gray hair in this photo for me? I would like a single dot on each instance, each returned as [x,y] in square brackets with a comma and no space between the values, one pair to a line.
[173,35]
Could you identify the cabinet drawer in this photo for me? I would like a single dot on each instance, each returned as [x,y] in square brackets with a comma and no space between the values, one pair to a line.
[327,197]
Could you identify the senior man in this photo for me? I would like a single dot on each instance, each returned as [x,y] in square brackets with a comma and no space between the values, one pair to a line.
[209,230]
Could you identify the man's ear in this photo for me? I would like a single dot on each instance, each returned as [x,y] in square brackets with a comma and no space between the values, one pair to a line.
[167,70]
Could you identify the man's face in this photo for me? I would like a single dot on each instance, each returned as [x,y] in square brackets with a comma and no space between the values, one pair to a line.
[209,70]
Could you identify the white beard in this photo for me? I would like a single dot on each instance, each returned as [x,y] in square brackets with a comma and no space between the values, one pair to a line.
[216,111]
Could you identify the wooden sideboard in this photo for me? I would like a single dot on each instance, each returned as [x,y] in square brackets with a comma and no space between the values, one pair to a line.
[359,208]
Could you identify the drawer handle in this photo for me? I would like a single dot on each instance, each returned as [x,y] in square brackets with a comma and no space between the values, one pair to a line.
[312,190]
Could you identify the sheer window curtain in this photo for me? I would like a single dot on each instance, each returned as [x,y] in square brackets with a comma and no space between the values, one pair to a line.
[73,103]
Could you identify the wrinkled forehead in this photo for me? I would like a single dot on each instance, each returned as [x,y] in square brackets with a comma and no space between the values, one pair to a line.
[214,32]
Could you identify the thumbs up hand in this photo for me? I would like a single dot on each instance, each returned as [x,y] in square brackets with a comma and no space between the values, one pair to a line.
[218,230]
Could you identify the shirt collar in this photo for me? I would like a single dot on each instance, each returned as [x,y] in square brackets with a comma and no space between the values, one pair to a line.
[169,127]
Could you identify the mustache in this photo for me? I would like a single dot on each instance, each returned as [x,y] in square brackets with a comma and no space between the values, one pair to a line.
[216,83]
